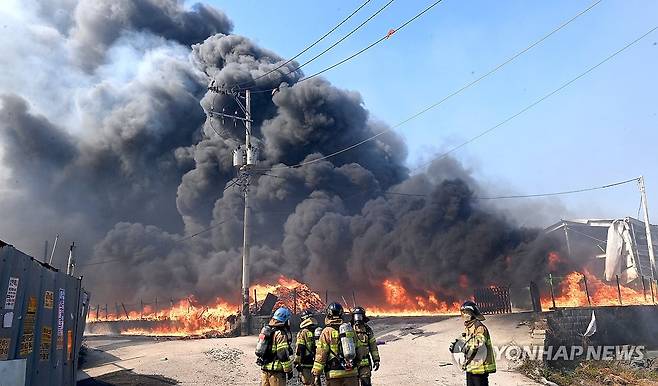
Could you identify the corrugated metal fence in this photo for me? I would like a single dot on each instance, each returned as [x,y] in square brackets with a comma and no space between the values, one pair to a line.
[43,314]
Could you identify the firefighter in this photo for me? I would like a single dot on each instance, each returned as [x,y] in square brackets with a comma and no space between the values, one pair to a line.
[478,352]
[336,351]
[305,351]
[367,354]
[277,365]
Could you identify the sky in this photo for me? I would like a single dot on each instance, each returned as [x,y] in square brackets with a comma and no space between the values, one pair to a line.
[599,130]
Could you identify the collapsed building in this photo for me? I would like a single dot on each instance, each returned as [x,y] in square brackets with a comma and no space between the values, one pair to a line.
[611,247]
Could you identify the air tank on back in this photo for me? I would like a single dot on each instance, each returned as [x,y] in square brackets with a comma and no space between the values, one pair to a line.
[347,344]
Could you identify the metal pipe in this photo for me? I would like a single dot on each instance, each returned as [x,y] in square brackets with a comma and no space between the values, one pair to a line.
[70,264]
[566,237]
[126,312]
[256,302]
[647,227]
[52,254]
[619,291]
[550,280]
[587,291]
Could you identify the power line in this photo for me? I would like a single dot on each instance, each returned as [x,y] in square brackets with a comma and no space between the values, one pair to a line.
[538,101]
[560,193]
[449,96]
[373,44]
[532,195]
[333,45]
[307,48]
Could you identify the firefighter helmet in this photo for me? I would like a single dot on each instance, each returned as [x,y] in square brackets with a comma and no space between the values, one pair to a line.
[282,314]
[334,310]
[306,314]
[472,308]
[359,315]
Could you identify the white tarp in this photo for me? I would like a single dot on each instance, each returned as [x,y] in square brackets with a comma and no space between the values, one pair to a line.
[591,328]
[619,255]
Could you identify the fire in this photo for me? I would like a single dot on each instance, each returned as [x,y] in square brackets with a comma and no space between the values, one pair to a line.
[282,282]
[292,294]
[399,302]
[553,261]
[185,318]
[188,317]
[570,292]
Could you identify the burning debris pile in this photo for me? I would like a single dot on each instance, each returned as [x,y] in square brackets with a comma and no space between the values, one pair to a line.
[290,293]
[186,318]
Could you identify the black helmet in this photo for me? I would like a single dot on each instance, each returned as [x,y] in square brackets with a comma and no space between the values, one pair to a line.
[472,308]
[334,310]
[306,314]
[359,315]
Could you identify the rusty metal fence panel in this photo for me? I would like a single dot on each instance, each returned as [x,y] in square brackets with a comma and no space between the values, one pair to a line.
[43,312]
[493,300]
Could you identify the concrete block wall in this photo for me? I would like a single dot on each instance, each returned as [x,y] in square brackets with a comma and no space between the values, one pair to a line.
[619,325]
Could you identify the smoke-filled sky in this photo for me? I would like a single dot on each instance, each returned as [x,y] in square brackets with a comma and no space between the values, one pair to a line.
[563,143]
[104,140]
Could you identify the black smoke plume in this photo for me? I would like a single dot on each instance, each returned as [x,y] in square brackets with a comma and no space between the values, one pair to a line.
[116,153]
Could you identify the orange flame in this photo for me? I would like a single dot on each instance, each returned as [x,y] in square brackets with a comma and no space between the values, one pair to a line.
[570,292]
[553,261]
[399,302]
[185,318]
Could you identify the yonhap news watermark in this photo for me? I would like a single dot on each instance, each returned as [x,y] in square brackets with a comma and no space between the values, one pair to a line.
[569,353]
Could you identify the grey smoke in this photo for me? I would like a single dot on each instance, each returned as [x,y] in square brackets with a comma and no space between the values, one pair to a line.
[132,166]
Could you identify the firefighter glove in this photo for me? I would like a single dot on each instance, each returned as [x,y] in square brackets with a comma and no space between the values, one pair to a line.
[375,366]
[298,367]
[289,375]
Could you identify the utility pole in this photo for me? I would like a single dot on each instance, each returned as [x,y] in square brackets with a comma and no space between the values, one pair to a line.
[244,158]
[247,217]
[647,227]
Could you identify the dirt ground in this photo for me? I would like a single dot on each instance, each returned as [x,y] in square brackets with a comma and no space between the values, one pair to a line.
[415,351]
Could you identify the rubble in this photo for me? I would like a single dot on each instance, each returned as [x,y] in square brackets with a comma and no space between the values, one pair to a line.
[225,354]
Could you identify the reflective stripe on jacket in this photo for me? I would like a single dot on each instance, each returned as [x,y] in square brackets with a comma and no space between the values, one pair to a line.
[305,351]
[366,345]
[326,352]
[477,338]
[281,352]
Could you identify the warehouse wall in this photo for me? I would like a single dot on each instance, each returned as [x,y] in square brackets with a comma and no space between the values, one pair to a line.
[43,314]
